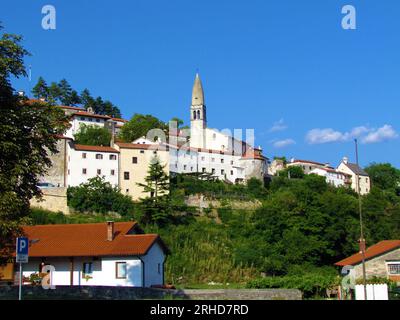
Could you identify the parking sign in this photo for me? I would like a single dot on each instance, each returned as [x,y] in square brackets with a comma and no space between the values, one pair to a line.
[22,250]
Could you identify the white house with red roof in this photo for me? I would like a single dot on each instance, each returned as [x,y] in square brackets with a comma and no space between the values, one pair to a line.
[334,177]
[96,254]
[85,162]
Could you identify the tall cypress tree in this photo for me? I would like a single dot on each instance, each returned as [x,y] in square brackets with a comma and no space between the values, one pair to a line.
[156,207]
[41,90]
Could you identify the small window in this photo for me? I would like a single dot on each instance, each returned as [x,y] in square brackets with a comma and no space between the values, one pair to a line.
[212,170]
[204,169]
[68,171]
[84,171]
[191,168]
[222,160]
[97,120]
[84,155]
[127,190]
[99,156]
[126,175]
[87,269]
[222,171]
[202,158]
[184,167]
[231,172]
[214,136]
[141,151]
[394,268]
[90,119]
[212,159]
[83,118]
[113,157]
[120,270]
[155,152]
[113,172]
[134,159]
[232,162]
[98,171]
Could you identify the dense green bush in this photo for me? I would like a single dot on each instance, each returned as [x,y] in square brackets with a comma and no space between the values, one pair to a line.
[93,135]
[99,196]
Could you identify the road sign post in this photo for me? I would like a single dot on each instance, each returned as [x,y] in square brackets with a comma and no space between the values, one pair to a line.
[21,257]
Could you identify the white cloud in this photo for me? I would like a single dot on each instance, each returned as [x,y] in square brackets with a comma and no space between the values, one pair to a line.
[384,133]
[278,126]
[367,135]
[318,136]
[283,143]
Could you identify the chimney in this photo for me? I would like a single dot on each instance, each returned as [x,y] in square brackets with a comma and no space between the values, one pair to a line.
[110,230]
[345,160]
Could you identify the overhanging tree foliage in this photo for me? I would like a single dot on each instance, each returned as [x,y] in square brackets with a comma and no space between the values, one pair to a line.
[139,126]
[93,135]
[27,137]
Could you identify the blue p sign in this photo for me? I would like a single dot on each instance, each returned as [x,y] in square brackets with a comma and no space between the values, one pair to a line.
[22,249]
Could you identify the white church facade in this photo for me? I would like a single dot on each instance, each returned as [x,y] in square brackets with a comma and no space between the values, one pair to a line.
[212,151]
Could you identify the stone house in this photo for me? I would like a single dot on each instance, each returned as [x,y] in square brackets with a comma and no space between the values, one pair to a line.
[381,260]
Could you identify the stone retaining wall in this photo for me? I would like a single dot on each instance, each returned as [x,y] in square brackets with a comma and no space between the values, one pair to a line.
[129,293]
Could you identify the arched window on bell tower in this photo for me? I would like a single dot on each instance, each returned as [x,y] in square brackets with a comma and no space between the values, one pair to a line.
[198,114]
[194,114]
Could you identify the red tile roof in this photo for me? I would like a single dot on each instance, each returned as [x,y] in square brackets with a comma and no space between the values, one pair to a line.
[373,251]
[119,119]
[91,115]
[124,145]
[71,108]
[307,161]
[81,147]
[77,240]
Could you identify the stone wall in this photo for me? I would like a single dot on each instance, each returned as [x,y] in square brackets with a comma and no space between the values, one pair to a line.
[202,202]
[54,199]
[377,266]
[129,293]
[56,174]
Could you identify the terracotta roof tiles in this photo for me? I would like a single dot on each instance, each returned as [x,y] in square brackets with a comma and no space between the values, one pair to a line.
[373,251]
[77,240]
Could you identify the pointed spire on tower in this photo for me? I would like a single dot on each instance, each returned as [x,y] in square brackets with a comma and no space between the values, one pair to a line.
[197,93]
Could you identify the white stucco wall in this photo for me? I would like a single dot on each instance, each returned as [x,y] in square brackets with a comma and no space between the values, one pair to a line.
[154,266]
[104,271]
[76,164]
[336,179]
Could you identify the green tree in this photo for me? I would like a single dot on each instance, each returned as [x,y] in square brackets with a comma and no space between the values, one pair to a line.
[93,135]
[156,206]
[384,175]
[99,196]
[256,187]
[40,90]
[74,99]
[139,126]
[65,92]
[27,138]
[54,93]
[292,172]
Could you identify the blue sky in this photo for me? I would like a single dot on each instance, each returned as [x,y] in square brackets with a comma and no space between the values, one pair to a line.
[285,68]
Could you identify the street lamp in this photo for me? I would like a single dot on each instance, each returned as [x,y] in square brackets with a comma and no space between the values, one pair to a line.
[362,239]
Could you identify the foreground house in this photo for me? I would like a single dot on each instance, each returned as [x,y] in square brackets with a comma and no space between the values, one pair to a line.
[354,170]
[97,254]
[381,260]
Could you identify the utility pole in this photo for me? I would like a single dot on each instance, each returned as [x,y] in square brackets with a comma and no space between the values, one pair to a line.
[362,239]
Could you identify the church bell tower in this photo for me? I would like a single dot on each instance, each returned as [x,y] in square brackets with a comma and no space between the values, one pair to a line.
[198,116]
